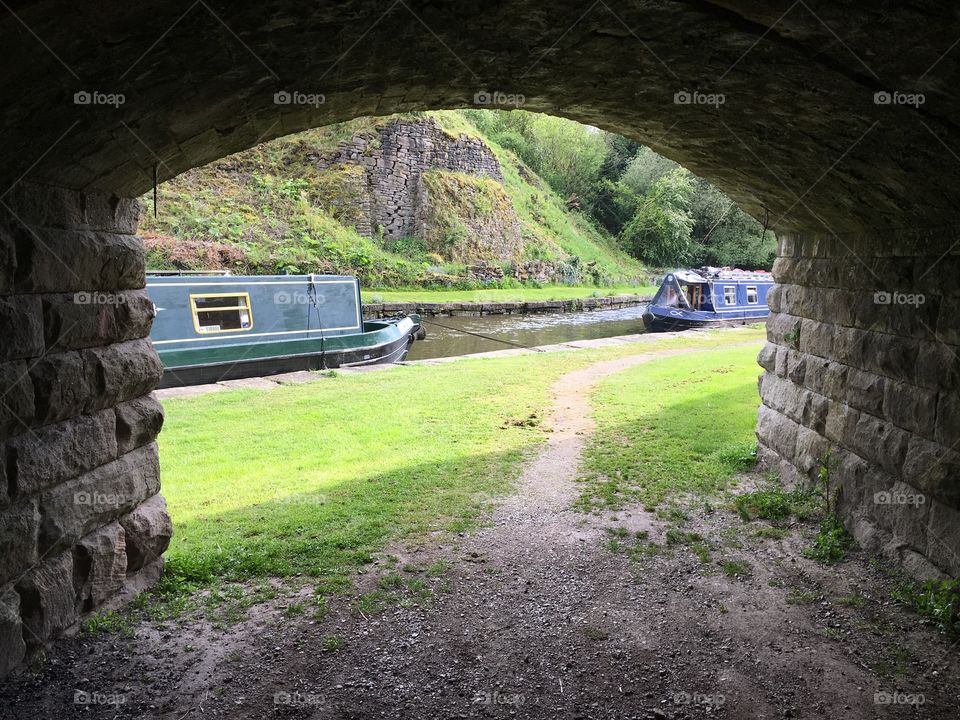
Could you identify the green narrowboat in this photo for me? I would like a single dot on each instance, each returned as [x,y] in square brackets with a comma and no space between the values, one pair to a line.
[209,328]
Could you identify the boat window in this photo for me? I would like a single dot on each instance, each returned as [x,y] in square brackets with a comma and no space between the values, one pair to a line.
[752,295]
[730,295]
[221,312]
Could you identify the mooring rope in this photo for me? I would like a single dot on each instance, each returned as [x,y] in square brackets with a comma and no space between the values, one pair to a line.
[485,337]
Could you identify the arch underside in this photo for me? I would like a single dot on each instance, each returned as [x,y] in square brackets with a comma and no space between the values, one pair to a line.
[821,132]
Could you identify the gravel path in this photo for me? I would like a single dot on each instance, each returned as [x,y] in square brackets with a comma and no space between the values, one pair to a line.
[533,616]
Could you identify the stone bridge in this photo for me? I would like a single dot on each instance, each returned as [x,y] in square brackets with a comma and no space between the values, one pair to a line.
[834,122]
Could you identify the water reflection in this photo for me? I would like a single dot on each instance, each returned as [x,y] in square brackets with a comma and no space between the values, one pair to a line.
[530,329]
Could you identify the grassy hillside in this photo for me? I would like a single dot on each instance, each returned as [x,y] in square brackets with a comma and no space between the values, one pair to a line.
[270,209]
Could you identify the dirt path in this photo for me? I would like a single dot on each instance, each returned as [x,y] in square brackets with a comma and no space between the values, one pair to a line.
[534,616]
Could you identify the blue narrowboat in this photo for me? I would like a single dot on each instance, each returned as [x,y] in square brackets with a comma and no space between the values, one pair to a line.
[209,328]
[709,297]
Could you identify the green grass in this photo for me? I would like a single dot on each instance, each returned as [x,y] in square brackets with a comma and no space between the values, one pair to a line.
[831,542]
[522,294]
[670,426]
[314,479]
[773,502]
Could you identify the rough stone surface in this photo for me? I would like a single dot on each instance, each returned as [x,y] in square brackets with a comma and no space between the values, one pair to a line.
[99,565]
[148,532]
[877,389]
[47,599]
[138,422]
[59,452]
[11,632]
[19,525]
[21,327]
[75,508]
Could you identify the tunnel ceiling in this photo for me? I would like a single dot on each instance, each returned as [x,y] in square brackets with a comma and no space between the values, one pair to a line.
[799,137]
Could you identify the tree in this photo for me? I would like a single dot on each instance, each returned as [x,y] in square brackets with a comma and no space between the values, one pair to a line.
[659,231]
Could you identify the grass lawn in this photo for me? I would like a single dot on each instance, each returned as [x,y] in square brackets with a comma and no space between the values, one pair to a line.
[677,425]
[312,479]
[558,292]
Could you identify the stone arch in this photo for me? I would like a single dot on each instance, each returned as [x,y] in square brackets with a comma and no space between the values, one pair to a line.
[821,129]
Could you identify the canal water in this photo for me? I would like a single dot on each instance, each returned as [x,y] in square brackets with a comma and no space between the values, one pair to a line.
[528,329]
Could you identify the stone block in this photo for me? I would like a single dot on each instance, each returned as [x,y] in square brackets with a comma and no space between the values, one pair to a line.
[948,323]
[19,527]
[21,327]
[59,207]
[16,399]
[880,442]
[81,260]
[138,422]
[943,538]
[904,512]
[817,338]
[81,320]
[888,355]
[64,386]
[99,565]
[865,391]
[947,430]
[777,432]
[148,532]
[910,407]
[96,498]
[62,451]
[811,449]
[841,423]
[936,366]
[12,647]
[124,371]
[934,470]
[796,366]
[48,602]
[767,359]
[8,259]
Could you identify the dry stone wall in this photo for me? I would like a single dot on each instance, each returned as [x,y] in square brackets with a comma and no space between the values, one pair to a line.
[80,514]
[395,158]
[862,378]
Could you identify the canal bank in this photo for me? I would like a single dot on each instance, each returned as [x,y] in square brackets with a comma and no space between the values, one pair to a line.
[471,309]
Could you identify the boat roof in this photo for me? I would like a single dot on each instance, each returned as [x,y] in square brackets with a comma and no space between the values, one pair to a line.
[708,274]
[228,279]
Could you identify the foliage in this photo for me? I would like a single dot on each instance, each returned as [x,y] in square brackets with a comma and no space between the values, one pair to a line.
[936,601]
[831,542]
[659,231]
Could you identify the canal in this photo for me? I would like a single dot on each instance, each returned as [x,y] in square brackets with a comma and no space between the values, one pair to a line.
[530,329]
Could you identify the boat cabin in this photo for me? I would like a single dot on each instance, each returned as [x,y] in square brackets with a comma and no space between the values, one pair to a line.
[709,297]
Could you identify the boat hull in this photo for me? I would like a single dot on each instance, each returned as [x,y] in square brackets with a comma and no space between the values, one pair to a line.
[388,342]
[662,320]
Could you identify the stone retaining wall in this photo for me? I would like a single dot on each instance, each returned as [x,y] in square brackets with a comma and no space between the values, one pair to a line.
[80,517]
[382,310]
[862,376]
[393,162]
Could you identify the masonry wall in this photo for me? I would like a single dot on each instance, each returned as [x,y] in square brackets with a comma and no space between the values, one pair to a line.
[80,514]
[862,376]
[393,162]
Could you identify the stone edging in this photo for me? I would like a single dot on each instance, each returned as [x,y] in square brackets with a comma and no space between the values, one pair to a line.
[381,310]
